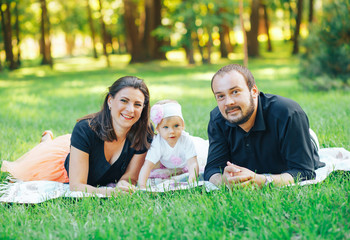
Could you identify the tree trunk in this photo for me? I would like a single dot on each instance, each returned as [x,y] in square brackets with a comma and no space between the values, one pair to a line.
[7,33]
[152,21]
[252,35]
[17,36]
[311,11]
[148,41]
[45,35]
[70,43]
[291,21]
[297,27]
[134,42]
[92,29]
[189,44]
[224,32]
[225,43]
[158,53]
[245,43]
[209,45]
[189,54]
[104,35]
[267,27]
[200,48]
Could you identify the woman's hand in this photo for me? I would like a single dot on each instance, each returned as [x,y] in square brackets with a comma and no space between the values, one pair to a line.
[128,181]
[125,187]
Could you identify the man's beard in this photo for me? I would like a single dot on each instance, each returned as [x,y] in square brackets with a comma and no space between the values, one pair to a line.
[245,117]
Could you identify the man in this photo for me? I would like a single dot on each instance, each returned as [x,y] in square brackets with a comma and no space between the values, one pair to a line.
[255,137]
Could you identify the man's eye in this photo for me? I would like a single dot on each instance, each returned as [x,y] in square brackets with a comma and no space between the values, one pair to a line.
[219,97]
[235,92]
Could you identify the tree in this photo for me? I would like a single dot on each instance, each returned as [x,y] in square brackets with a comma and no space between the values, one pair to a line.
[252,34]
[326,63]
[45,41]
[227,11]
[92,28]
[139,26]
[152,21]
[104,34]
[17,30]
[267,26]
[224,31]
[7,32]
[132,32]
[245,44]
[311,11]
[297,27]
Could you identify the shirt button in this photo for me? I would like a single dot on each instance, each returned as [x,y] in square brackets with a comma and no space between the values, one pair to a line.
[247,145]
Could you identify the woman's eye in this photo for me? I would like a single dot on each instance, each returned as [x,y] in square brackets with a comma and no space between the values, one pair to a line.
[124,100]
[138,105]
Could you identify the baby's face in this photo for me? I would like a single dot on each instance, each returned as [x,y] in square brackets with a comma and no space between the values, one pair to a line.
[170,129]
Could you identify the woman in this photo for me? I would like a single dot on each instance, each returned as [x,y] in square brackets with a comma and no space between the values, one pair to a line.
[106,147]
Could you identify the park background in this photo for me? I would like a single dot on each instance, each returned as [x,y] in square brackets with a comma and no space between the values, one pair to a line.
[58,57]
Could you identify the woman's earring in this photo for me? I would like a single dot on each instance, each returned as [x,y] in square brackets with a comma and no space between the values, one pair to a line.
[109,108]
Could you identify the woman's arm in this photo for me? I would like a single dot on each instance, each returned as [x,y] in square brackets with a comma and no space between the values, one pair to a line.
[78,174]
[193,169]
[128,181]
[144,173]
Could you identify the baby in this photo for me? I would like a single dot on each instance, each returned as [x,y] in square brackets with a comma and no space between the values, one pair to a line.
[172,146]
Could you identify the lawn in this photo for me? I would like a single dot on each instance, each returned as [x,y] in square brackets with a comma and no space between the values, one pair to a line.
[34,99]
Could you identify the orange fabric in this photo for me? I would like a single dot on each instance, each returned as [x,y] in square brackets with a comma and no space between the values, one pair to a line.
[44,162]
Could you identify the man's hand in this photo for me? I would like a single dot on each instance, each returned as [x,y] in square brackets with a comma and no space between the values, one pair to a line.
[234,174]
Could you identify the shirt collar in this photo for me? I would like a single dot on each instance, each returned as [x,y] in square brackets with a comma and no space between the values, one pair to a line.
[259,124]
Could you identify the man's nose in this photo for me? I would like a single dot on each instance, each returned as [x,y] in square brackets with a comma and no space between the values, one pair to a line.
[229,100]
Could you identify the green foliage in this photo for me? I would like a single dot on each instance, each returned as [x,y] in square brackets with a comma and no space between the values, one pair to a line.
[193,19]
[326,62]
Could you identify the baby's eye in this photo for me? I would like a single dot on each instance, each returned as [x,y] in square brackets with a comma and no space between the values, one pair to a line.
[177,125]
[166,127]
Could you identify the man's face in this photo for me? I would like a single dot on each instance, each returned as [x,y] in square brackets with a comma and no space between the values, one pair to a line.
[235,101]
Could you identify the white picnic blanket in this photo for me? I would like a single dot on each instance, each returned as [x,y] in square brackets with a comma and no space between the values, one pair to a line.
[39,191]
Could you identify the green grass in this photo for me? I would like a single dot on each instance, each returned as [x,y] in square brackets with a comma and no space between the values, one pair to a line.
[34,99]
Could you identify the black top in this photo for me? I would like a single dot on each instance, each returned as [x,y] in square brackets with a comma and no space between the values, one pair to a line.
[100,171]
[279,142]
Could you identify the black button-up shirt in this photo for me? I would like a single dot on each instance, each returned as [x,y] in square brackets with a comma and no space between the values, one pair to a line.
[279,142]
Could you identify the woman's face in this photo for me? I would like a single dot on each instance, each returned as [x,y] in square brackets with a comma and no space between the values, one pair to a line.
[126,107]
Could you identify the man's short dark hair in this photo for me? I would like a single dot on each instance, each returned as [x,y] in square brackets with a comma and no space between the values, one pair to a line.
[248,76]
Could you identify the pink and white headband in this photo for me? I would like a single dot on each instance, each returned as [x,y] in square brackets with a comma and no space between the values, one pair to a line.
[160,111]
